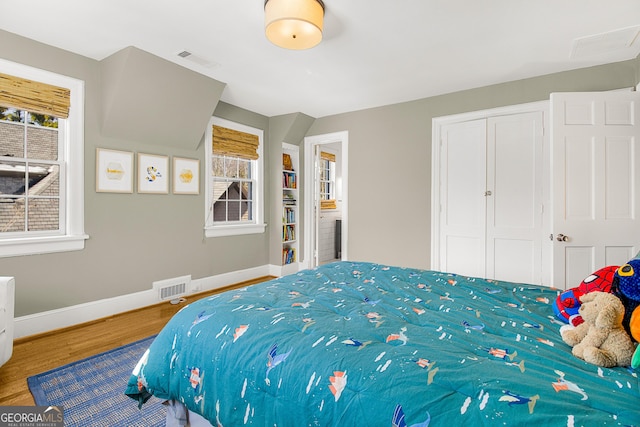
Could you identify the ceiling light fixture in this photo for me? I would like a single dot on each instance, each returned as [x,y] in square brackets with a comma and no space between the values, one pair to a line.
[294,24]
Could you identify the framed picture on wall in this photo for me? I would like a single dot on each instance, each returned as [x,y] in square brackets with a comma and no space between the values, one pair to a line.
[153,174]
[114,171]
[186,176]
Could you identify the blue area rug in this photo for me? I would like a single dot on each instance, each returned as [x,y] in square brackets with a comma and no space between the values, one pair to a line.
[91,391]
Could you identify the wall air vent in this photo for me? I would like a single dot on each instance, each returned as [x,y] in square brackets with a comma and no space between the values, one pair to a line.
[173,289]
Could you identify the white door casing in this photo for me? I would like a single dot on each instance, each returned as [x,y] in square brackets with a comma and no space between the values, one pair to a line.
[596,188]
[315,257]
[310,187]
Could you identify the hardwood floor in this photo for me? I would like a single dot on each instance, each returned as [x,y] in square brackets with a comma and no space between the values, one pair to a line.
[40,353]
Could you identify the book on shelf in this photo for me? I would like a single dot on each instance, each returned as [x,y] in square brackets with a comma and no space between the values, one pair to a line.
[289,180]
[288,232]
[288,255]
[288,199]
[289,216]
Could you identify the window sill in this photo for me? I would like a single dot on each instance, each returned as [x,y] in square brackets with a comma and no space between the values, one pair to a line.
[234,230]
[41,245]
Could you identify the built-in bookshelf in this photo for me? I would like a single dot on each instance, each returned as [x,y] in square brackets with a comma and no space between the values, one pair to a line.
[290,218]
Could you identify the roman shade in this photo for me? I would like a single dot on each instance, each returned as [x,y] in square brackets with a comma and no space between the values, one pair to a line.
[328,204]
[328,156]
[36,97]
[229,142]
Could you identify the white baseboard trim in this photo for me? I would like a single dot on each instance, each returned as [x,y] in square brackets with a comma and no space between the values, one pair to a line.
[68,316]
[283,270]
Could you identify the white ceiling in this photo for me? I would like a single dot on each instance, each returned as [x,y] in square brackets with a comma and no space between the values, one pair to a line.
[374,52]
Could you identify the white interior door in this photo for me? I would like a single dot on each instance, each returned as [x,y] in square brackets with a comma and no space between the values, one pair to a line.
[596,187]
[316,206]
[462,198]
[514,205]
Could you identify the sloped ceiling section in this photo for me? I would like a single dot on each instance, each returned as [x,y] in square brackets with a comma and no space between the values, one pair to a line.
[290,128]
[151,100]
[298,129]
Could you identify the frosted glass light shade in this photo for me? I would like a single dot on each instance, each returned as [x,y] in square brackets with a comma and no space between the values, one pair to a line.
[294,24]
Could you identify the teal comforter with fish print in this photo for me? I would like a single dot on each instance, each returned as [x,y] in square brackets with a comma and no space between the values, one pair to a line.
[363,344]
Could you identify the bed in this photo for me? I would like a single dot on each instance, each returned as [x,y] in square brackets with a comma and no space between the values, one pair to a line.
[364,344]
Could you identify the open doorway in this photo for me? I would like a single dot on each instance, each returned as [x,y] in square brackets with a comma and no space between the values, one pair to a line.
[325,198]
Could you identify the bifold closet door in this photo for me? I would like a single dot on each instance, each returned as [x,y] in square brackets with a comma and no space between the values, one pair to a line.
[462,188]
[514,197]
[491,197]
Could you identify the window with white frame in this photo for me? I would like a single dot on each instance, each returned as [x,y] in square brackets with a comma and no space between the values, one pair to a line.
[41,161]
[327,180]
[234,201]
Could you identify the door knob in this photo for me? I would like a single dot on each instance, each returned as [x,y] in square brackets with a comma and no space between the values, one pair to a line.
[562,238]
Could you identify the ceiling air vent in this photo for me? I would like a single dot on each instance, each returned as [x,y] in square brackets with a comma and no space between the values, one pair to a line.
[622,41]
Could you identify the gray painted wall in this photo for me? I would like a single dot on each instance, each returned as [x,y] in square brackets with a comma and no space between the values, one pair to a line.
[389,207]
[136,239]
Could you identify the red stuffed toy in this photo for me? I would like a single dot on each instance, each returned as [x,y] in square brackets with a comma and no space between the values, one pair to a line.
[568,302]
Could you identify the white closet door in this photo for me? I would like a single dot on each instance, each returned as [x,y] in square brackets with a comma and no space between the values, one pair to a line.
[462,188]
[514,206]
[596,186]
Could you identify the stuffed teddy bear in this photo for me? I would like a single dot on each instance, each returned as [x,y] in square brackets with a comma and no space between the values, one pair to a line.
[600,339]
[566,305]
